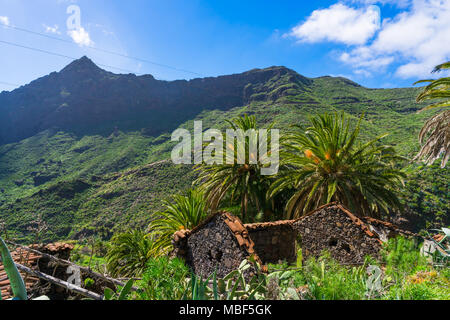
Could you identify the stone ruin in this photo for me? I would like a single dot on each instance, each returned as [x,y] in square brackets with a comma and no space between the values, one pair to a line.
[51,260]
[274,241]
[218,244]
[334,229]
[47,266]
[35,286]
[60,270]
[348,238]
[222,242]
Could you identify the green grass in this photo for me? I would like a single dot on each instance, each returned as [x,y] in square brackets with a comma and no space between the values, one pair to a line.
[164,279]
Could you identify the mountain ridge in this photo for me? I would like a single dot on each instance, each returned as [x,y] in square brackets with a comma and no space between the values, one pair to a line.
[82,96]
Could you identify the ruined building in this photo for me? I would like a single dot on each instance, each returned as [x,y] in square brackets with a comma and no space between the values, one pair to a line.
[218,244]
[222,241]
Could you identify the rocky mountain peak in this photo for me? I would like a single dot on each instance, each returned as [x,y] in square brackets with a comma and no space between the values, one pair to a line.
[82,65]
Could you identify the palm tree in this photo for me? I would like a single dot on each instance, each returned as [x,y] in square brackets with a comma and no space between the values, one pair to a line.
[435,134]
[323,163]
[129,253]
[241,181]
[183,212]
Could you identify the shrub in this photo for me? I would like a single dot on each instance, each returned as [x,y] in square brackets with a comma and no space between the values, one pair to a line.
[129,253]
[163,279]
[410,276]
[184,212]
[327,280]
[402,257]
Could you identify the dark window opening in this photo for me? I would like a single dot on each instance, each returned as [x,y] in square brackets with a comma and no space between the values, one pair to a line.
[346,247]
[333,242]
[215,254]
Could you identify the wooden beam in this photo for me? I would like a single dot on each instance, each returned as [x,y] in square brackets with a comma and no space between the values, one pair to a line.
[61,283]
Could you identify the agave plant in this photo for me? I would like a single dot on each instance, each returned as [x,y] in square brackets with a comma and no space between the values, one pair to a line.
[129,253]
[324,163]
[435,134]
[183,212]
[17,284]
[122,294]
[233,178]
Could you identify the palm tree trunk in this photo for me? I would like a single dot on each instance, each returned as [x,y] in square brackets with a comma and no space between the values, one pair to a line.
[244,205]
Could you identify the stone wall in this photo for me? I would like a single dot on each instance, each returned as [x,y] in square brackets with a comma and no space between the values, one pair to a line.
[219,244]
[274,241]
[334,229]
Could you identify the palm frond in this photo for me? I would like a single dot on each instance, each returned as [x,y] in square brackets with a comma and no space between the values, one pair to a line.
[435,134]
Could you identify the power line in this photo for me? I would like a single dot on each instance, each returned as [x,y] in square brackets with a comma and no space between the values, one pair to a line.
[59,55]
[10,84]
[103,50]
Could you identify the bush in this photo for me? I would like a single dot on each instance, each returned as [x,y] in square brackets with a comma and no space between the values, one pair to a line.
[409,275]
[129,253]
[402,257]
[163,279]
[327,280]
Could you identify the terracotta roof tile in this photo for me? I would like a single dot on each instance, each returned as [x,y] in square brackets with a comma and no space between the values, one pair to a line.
[30,260]
[266,225]
[19,256]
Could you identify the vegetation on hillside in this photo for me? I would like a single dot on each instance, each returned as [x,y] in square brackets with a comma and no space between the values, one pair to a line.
[101,183]
[129,253]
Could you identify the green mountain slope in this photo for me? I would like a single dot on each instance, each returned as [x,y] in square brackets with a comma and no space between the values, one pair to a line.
[102,178]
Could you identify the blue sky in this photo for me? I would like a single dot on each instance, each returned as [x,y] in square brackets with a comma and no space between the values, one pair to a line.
[382,43]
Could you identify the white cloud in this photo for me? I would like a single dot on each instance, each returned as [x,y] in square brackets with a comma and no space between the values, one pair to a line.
[362,72]
[364,57]
[339,23]
[54,29]
[397,3]
[4,20]
[419,38]
[81,37]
